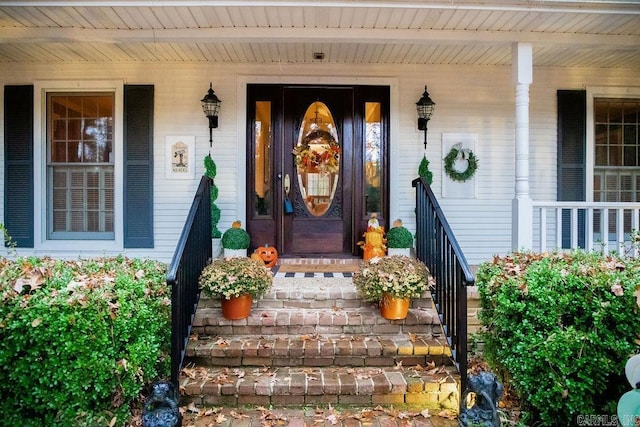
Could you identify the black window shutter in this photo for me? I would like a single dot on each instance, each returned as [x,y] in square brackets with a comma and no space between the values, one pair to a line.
[572,145]
[138,166]
[18,164]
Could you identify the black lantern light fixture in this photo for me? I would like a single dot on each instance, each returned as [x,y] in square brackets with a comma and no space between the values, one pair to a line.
[425,109]
[210,107]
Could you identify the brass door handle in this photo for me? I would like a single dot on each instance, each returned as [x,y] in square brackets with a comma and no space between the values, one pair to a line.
[287,184]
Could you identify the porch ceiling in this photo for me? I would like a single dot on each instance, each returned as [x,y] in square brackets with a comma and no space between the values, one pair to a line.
[572,33]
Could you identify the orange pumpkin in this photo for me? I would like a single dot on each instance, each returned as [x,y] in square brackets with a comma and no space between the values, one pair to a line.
[236,224]
[268,254]
[397,223]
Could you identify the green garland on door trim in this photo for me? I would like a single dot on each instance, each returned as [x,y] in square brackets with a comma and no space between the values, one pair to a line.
[450,160]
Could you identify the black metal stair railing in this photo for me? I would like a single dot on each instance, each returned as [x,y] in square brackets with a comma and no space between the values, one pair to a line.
[192,254]
[438,248]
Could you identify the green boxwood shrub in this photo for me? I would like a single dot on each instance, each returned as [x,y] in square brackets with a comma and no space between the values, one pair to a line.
[399,237]
[80,339]
[559,329]
[236,238]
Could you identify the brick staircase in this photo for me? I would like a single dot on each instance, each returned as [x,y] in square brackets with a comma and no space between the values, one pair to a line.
[312,341]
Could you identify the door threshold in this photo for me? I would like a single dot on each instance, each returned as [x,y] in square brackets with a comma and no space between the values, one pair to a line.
[319,259]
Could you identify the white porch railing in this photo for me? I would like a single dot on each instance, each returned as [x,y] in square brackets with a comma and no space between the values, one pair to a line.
[598,226]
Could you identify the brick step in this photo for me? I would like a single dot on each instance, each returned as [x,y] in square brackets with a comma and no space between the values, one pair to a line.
[305,350]
[433,388]
[330,298]
[301,321]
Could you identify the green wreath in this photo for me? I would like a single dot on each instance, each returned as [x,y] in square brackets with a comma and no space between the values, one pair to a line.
[450,160]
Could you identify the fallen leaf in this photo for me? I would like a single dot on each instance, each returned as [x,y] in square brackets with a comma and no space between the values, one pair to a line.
[123,363]
[36,322]
[238,416]
[19,285]
[220,418]
[398,366]
[425,413]
[189,373]
[333,419]
[447,413]
[193,408]
[221,342]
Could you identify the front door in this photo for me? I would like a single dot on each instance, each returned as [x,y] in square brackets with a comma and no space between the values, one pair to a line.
[317,166]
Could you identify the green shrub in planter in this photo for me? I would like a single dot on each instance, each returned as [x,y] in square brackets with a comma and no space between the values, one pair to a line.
[236,238]
[399,237]
[80,339]
[210,172]
[559,329]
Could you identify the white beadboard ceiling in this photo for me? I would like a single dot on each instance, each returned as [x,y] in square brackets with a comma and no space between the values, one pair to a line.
[570,33]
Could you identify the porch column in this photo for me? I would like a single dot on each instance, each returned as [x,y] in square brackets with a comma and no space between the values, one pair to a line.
[521,208]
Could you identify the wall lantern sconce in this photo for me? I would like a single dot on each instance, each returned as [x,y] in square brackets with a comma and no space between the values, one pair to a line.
[425,109]
[210,107]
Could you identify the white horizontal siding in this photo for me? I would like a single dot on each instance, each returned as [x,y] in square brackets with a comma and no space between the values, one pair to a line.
[469,99]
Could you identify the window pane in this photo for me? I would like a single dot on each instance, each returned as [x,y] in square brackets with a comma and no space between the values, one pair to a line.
[262,151]
[75,129]
[59,151]
[74,151]
[90,152]
[372,165]
[629,156]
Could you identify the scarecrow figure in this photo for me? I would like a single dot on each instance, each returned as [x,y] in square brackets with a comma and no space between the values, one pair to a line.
[374,244]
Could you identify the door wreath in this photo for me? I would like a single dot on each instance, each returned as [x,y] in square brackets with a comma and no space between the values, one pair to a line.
[466,154]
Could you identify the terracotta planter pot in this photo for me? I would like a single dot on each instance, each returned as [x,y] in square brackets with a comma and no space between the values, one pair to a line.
[393,308]
[237,307]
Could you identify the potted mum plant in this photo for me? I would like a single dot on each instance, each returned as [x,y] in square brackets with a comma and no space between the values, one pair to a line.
[235,241]
[392,281]
[236,281]
[399,239]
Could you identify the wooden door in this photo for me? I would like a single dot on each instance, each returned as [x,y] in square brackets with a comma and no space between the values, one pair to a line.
[315,143]
[318,137]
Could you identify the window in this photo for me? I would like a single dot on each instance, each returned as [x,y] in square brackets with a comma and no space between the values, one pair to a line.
[617,150]
[80,165]
[372,157]
[263,167]
[616,170]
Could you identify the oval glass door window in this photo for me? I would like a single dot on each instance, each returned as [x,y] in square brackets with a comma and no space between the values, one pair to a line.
[317,157]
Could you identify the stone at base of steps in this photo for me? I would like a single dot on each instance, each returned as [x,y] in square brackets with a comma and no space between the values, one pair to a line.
[317,416]
[434,388]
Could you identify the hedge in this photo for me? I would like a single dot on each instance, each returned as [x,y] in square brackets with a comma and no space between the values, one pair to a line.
[80,339]
[560,328]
